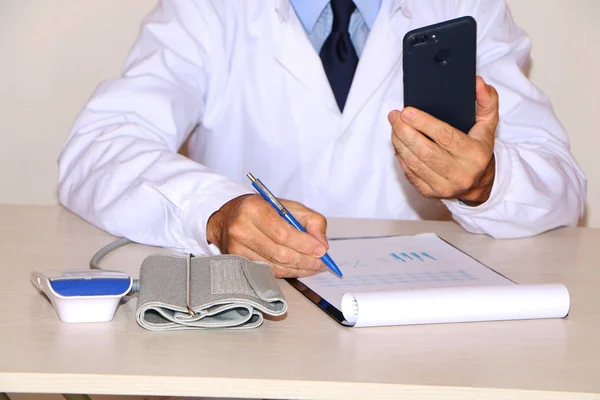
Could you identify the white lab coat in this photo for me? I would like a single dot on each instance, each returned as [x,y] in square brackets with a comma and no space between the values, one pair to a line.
[244,80]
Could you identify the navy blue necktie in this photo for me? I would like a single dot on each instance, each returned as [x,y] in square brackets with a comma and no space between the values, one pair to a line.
[338,54]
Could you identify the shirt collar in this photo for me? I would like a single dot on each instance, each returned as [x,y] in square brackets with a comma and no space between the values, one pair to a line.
[308,11]
[369,10]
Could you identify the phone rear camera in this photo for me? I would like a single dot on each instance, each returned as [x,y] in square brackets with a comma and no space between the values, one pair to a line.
[442,57]
[418,40]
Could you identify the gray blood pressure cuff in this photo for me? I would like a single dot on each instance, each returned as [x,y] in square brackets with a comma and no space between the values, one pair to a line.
[211,292]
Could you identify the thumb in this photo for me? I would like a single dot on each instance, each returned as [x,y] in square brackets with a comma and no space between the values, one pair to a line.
[314,223]
[486,119]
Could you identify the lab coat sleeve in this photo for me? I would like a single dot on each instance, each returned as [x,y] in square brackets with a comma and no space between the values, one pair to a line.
[120,169]
[538,185]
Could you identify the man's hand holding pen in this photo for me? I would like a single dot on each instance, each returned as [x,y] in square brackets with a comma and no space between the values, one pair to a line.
[250,227]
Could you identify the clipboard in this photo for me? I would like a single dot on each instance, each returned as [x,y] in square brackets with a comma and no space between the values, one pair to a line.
[422,279]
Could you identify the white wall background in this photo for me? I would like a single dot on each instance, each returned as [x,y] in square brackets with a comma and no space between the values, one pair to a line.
[54,52]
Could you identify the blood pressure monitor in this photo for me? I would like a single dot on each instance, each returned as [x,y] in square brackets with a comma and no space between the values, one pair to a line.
[83,295]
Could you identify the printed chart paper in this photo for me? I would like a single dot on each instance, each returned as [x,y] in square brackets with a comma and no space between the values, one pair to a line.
[422,279]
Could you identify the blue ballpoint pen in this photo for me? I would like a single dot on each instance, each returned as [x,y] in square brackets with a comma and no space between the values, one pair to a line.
[268,196]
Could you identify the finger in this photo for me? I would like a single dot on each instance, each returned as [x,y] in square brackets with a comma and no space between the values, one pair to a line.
[281,232]
[283,272]
[250,237]
[426,150]
[422,187]
[314,223]
[278,270]
[446,136]
[436,160]
[282,255]
[487,99]
[486,119]
[244,251]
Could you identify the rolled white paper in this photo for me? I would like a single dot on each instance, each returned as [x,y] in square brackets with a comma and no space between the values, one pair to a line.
[456,304]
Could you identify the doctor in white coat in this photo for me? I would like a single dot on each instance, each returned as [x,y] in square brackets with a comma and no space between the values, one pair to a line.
[252,86]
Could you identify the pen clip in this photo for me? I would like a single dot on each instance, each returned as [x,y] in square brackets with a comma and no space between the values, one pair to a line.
[263,189]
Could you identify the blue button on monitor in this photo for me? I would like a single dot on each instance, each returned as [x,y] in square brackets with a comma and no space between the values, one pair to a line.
[90,287]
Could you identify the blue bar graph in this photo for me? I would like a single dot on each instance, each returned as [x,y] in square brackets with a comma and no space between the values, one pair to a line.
[412,256]
[397,257]
[416,255]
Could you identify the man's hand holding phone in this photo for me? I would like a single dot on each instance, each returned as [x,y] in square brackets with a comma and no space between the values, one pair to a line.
[451,165]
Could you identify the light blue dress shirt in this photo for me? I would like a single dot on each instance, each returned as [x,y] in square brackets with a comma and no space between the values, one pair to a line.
[317,17]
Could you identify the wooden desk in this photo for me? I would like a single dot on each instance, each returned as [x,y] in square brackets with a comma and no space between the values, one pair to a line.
[307,355]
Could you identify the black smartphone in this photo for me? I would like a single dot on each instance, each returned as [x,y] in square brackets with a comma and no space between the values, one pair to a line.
[439,63]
